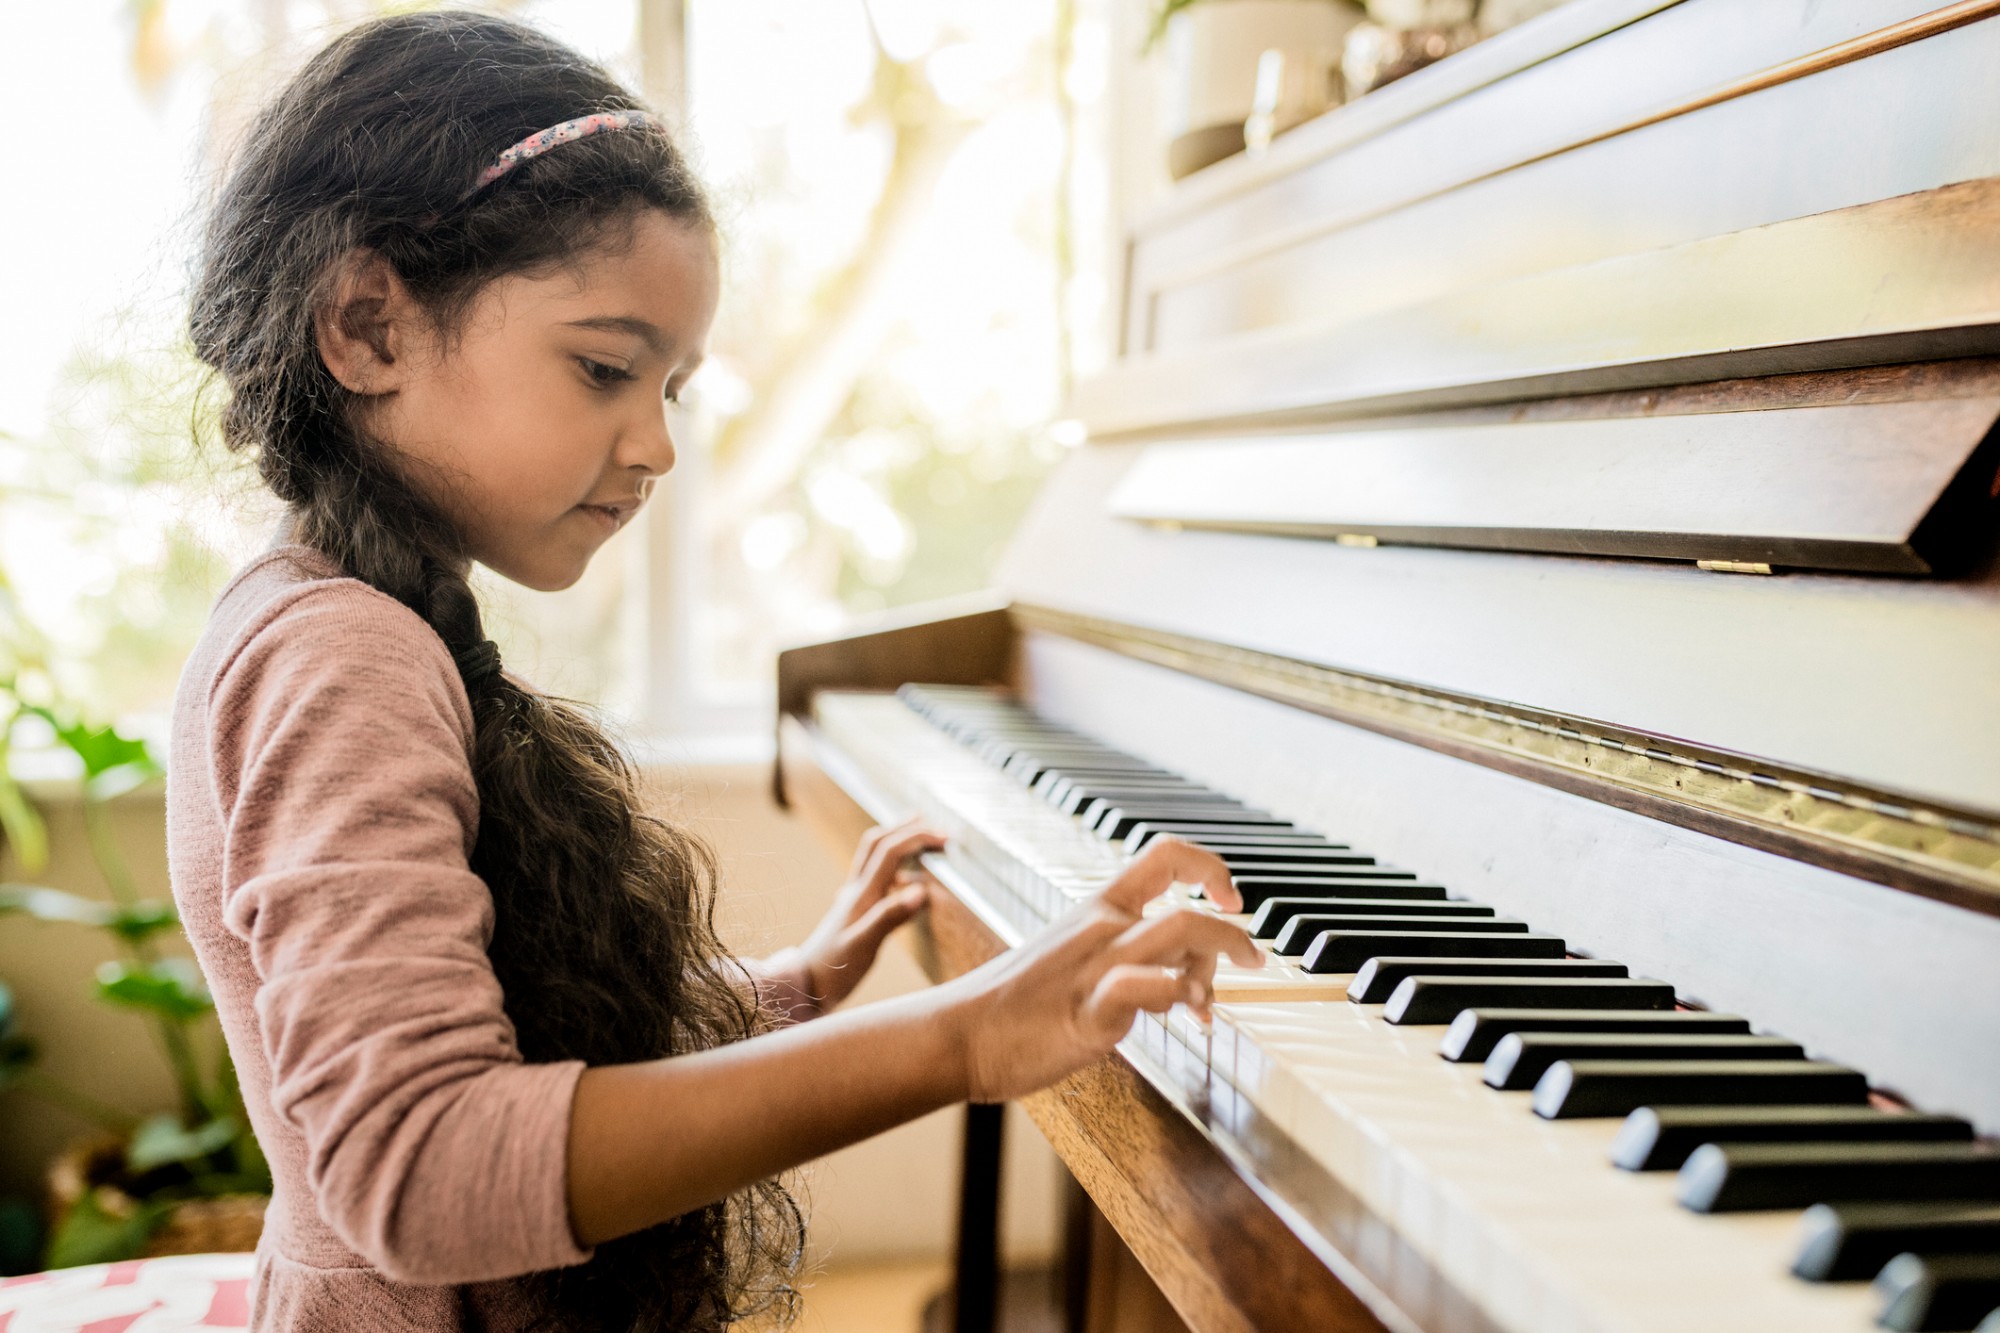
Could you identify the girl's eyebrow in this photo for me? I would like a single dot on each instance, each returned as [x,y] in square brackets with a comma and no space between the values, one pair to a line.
[631,324]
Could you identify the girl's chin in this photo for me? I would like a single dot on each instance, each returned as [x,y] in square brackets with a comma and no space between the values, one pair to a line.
[545,571]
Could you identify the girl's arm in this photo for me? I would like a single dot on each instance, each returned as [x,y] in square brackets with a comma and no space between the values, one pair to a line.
[651,1141]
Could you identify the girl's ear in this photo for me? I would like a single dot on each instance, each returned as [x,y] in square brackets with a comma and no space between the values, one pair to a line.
[365,325]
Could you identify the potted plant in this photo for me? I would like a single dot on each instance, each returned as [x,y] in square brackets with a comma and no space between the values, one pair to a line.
[1213,52]
[186,1180]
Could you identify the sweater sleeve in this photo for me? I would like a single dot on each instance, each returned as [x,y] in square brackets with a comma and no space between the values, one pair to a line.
[342,741]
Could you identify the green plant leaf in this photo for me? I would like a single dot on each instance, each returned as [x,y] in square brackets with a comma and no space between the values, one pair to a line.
[20,823]
[102,749]
[20,1237]
[143,919]
[88,1233]
[170,987]
[17,1055]
[162,1139]
[55,905]
[113,763]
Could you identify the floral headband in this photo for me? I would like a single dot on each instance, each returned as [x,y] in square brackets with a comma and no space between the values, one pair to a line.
[567,132]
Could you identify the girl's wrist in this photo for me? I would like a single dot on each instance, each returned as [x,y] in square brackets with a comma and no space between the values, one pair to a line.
[961,1010]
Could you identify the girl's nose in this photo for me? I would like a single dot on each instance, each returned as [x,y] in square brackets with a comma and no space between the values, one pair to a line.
[649,448]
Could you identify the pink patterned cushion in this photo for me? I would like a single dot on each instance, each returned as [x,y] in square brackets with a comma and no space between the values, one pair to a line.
[176,1295]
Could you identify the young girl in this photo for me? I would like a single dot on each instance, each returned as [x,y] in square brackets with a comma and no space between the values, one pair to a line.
[506,1075]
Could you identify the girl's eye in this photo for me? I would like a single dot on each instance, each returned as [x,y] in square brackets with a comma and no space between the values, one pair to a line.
[601,374]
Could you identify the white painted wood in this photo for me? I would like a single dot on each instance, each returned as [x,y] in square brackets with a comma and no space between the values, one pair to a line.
[1906,989]
[1890,682]
[1442,203]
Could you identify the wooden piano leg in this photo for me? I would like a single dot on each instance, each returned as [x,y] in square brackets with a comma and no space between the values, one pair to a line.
[976,1267]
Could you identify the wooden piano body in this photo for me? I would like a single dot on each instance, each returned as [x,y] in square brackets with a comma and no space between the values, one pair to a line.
[1570,472]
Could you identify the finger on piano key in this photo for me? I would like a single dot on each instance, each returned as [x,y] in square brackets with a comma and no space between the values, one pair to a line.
[1373,882]
[1298,934]
[1347,950]
[1422,1001]
[1737,1177]
[1476,1031]
[1944,1292]
[1521,1058]
[1659,1138]
[1574,1089]
[1849,1242]
[1275,912]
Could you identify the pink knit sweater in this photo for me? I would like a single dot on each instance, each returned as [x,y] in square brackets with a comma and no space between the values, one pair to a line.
[320,812]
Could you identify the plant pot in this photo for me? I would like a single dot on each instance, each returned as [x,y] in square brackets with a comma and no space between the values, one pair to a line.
[223,1224]
[1212,52]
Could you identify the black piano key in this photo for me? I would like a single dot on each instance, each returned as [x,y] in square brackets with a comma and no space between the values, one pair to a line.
[1737,1177]
[1421,1000]
[1347,950]
[1121,820]
[1037,771]
[1581,1088]
[1358,883]
[1941,1292]
[1297,935]
[1849,1242]
[1659,1138]
[1203,807]
[1521,1058]
[1275,912]
[1103,810]
[1252,859]
[1072,798]
[1379,978]
[1189,830]
[1275,840]
[1475,1032]
[1306,870]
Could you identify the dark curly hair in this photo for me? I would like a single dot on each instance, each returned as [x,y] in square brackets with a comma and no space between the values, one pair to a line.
[604,940]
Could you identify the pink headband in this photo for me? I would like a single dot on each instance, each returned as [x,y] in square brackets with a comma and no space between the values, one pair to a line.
[567,132]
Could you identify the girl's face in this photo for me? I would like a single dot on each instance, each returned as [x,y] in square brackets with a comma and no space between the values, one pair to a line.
[541,428]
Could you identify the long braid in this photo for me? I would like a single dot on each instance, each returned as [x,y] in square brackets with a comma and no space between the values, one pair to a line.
[604,939]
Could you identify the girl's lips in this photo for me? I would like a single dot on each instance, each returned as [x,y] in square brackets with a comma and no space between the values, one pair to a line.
[612,515]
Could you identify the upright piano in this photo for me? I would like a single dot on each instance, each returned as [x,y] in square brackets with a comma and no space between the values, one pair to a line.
[1541,529]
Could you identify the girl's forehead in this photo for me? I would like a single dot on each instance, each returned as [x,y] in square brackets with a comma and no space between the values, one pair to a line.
[658,283]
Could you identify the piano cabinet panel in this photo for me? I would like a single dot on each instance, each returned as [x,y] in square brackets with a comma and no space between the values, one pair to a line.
[1218,1253]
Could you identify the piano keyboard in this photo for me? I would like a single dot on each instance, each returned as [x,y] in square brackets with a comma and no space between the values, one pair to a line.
[1744,1162]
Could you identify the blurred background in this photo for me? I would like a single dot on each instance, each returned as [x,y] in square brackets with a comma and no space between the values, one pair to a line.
[902,187]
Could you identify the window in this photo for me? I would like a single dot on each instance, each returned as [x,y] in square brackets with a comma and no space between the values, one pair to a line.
[900,186]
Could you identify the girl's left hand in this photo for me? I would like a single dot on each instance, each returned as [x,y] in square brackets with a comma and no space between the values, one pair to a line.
[877,897]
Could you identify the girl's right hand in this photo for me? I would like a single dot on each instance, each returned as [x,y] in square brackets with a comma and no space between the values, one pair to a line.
[1066,997]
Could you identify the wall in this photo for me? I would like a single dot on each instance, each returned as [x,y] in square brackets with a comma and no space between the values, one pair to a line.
[889,1198]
